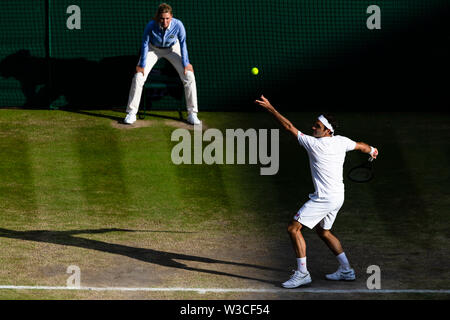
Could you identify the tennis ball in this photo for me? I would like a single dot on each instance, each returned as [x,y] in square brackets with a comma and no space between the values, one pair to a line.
[255,71]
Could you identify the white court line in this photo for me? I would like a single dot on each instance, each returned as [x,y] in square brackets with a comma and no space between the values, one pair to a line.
[223,290]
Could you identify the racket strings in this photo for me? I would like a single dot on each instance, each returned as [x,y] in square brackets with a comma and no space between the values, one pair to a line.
[360,174]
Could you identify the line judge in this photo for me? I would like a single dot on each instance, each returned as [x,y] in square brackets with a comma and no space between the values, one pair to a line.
[164,37]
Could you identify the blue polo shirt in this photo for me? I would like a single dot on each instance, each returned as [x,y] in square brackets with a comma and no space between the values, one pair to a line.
[159,37]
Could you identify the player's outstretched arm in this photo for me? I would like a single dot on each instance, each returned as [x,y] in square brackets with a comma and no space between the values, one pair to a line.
[282,120]
[364,147]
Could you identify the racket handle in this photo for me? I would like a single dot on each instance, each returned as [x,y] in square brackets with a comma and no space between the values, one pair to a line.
[371,159]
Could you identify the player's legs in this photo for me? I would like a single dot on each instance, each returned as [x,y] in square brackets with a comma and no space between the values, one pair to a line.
[188,79]
[330,240]
[300,276]
[298,242]
[345,272]
[138,82]
[310,214]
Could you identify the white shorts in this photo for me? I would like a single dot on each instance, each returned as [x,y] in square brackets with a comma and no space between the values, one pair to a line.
[323,210]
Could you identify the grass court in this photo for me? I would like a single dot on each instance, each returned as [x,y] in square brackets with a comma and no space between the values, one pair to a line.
[79,188]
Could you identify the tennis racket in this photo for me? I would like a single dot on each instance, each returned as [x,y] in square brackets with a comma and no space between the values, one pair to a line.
[363,172]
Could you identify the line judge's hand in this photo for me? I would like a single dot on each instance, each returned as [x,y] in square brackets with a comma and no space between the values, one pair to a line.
[264,103]
[188,68]
[139,69]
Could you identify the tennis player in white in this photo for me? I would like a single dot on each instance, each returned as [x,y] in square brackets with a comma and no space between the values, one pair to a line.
[326,157]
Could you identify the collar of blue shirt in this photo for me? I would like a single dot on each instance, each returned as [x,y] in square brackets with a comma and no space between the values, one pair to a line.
[168,28]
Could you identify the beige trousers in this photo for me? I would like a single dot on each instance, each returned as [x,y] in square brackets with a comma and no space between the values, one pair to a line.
[173,54]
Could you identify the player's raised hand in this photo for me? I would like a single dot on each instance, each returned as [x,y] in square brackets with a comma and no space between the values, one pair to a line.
[264,103]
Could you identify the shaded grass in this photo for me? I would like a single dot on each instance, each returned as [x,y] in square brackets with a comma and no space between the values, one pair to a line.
[64,171]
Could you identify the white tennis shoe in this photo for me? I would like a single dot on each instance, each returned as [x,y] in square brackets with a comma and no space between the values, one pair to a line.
[341,274]
[193,119]
[297,279]
[130,118]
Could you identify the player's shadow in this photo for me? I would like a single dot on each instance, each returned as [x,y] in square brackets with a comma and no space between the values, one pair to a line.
[166,259]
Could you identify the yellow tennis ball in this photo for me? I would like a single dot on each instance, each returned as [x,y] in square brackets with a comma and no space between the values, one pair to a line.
[255,71]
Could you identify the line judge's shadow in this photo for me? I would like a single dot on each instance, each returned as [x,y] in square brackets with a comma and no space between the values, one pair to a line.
[83,85]
[166,259]
[120,120]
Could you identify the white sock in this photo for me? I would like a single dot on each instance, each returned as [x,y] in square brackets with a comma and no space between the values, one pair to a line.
[301,265]
[342,258]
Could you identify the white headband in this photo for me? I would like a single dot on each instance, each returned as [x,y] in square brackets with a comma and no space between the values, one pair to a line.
[326,123]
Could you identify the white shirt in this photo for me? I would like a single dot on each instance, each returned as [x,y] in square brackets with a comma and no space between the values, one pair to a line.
[326,159]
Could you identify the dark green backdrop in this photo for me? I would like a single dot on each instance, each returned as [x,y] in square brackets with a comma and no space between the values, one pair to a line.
[310,53]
